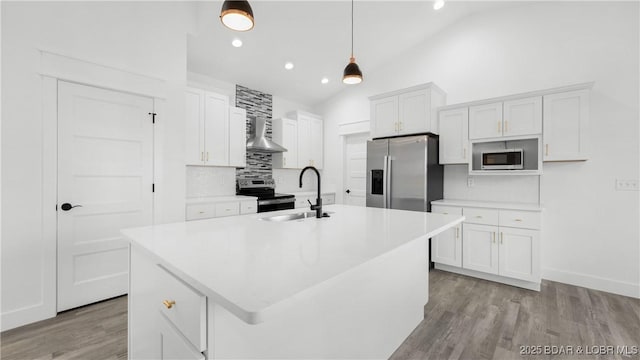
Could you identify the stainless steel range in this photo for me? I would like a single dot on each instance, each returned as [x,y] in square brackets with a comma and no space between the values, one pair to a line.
[264,190]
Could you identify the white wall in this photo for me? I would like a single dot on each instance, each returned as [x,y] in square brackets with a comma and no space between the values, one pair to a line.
[215,181]
[146,38]
[591,235]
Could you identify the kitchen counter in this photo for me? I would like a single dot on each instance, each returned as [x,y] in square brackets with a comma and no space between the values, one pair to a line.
[234,260]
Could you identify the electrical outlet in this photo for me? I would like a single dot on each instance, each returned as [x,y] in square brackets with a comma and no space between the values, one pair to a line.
[627,185]
[470,182]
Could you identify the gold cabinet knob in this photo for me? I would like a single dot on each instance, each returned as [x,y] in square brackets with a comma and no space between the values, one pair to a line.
[169,303]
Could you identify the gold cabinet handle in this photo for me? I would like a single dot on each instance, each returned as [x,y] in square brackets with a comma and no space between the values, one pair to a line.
[506,126]
[445,213]
[494,237]
[284,159]
[169,303]
[546,150]
[501,238]
[519,220]
[400,126]
[202,156]
[499,127]
[464,153]
[395,126]
[478,216]
[207,156]
[200,212]
[457,232]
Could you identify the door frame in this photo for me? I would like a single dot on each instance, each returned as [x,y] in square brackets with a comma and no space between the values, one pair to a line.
[55,68]
[345,130]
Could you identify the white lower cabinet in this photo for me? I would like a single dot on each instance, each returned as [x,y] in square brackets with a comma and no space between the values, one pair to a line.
[480,251]
[502,243]
[518,253]
[217,208]
[173,346]
[167,317]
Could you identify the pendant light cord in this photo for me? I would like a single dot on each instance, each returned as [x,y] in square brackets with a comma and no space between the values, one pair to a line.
[352,28]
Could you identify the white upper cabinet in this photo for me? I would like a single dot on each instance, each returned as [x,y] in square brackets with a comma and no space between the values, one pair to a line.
[454,136]
[384,117]
[215,132]
[301,133]
[523,117]
[194,120]
[237,137]
[509,118]
[285,133]
[407,111]
[414,109]
[485,121]
[216,129]
[566,123]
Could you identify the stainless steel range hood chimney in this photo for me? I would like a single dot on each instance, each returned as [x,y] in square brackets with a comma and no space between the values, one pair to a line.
[258,141]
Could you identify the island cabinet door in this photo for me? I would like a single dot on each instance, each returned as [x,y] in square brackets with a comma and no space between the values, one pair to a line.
[173,345]
[519,249]
[480,248]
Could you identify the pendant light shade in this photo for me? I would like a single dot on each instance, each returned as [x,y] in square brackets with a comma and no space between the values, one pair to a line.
[237,15]
[352,73]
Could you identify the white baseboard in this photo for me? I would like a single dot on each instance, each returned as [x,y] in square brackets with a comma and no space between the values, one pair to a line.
[491,277]
[26,315]
[592,282]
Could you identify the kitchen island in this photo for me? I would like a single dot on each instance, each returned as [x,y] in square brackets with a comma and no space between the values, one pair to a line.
[352,285]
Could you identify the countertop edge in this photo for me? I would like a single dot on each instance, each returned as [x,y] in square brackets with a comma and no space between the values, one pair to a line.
[491,205]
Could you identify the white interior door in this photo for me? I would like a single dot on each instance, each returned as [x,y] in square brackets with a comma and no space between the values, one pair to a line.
[105,168]
[355,161]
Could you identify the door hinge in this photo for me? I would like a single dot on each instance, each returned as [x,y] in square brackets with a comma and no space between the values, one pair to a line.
[153,117]
[153,187]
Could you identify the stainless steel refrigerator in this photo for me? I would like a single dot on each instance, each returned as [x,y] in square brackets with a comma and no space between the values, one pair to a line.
[403,172]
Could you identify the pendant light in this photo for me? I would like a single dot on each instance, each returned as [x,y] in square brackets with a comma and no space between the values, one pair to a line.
[352,73]
[237,15]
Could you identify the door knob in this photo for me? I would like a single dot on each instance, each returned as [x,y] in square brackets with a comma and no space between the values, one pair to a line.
[348,191]
[67,206]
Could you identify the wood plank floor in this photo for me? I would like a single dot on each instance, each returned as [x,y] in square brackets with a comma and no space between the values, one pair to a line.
[465,318]
[97,331]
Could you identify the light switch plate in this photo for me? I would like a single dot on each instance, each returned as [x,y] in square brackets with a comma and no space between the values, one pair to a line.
[627,185]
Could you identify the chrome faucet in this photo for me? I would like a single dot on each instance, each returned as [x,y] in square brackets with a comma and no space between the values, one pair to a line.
[318,205]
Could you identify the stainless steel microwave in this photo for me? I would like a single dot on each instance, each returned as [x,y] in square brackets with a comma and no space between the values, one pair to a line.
[509,159]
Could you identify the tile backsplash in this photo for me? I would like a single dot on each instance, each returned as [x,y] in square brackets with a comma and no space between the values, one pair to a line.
[204,181]
[258,105]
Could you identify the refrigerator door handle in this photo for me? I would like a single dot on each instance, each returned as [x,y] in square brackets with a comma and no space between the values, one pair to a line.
[385,171]
[388,183]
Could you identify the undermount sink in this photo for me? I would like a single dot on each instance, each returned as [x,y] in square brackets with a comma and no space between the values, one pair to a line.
[296,216]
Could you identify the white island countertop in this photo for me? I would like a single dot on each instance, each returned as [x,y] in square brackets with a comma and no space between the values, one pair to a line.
[254,267]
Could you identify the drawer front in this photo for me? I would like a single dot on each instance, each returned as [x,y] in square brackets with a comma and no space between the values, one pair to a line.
[185,307]
[200,211]
[227,209]
[520,219]
[248,207]
[481,216]
[328,199]
[446,210]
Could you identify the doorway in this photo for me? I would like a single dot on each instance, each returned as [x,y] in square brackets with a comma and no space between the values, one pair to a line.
[355,169]
[105,183]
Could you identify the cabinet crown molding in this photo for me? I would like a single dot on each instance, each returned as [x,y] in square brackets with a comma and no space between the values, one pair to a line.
[561,89]
[429,85]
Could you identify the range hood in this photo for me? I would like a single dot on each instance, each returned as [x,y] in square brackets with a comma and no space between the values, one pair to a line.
[258,141]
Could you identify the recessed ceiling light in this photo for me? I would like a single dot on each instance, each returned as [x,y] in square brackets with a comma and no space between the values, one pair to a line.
[236,42]
[288,65]
[324,80]
[438,4]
